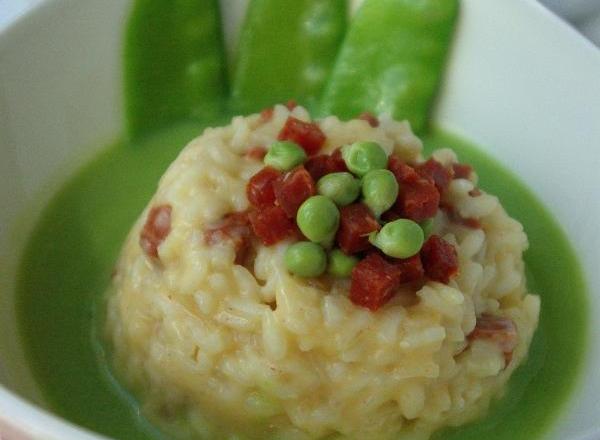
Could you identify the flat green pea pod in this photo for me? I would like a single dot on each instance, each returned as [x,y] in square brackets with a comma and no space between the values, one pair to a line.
[392,60]
[286,51]
[174,64]
[380,190]
[401,238]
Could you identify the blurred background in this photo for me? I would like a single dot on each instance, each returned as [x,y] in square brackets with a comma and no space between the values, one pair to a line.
[584,15]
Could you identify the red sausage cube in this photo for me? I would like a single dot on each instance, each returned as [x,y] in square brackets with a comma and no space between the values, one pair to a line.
[411,269]
[256,153]
[293,188]
[306,134]
[336,162]
[356,223]
[404,173]
[462,171]
[318,166]
[374,281]
[156,229]
[267,114]
[260,188]
[437,173]
[417,200]
[390,216]
[370,118]
[271,224]
[323,164]
[497,329]
[234,227]
[439,258]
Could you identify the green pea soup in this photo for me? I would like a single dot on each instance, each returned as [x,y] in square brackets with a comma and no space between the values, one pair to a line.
[69,258]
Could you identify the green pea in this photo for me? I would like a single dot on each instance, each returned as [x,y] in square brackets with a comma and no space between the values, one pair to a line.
[340,264]
[305,259]
[342,188]
[399,239]
[380,190]
[427,226]
[318,218]
[362,157]
[285,155]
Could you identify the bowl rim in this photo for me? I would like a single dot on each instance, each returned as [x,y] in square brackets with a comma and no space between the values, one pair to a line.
[33,421]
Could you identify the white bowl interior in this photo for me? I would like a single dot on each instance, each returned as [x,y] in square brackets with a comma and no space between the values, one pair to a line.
[521,84]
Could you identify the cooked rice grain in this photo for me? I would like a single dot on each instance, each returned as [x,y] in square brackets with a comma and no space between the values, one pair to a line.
[196,338]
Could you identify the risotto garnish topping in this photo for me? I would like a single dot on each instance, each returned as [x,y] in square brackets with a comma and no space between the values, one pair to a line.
[368,215]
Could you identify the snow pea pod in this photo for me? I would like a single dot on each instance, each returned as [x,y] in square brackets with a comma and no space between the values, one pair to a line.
[174,63]
[286,52]
[392,60]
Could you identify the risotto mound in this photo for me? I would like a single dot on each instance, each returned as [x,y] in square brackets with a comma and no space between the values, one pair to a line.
[217,342]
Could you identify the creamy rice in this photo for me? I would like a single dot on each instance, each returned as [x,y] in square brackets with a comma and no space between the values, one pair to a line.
[212,348]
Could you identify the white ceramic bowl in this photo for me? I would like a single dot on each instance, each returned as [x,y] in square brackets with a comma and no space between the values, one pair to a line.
[521,84]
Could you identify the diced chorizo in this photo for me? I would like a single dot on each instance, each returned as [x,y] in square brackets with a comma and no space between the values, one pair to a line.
[267,114]
[404,173]
[318,165]
[437,173]
[156,229]
[411,269]
[323,164]
[256,153]
[374,281]
[337,164]
[306,134]
[260,189]
[234,227]
[497,329]
[390,215]
[455,217]
[418,200]
[470,222]
[462,171]
[271,224]
[370,118]
[439,259]
[356,223]
[293,188]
